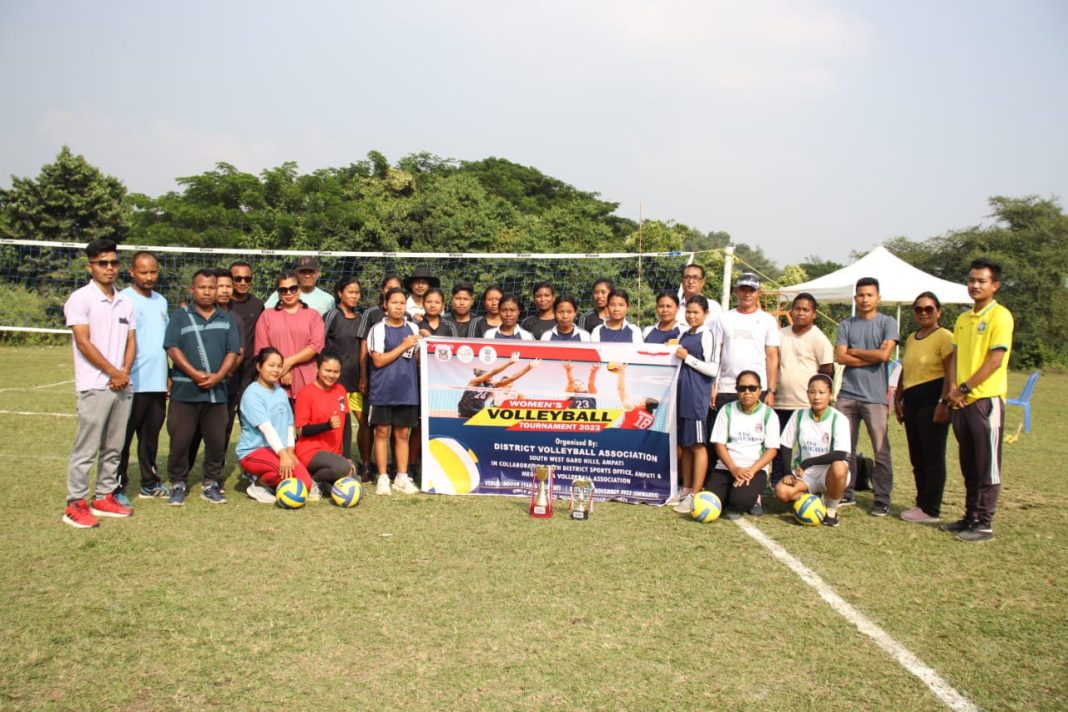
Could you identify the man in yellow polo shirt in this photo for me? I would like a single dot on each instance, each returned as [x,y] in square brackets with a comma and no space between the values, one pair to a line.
[982,342]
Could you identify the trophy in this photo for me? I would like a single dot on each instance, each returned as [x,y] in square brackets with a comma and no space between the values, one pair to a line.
[581,499]
[541,493]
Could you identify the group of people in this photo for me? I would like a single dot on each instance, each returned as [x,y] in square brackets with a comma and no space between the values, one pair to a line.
[300,370]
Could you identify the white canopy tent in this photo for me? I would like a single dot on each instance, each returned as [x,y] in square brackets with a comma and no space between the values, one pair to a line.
[899,282]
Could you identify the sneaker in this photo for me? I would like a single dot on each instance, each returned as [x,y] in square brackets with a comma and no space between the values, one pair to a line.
[877,510]
[403,484]
[919,516]
[260,493]
[177,498]
[212,494]
[77,515]
[314,493]
[152,491]
[108,506]
[757,510]
[121,498]
[830,521]
[732,514]
[382,486]
[976,534]
[961,525]
[685,505]
[847,502]
[674,499]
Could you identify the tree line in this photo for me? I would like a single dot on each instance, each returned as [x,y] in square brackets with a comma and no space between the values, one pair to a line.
[425,203]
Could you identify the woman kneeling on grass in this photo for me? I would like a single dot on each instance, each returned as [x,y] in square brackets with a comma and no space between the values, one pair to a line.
[320,419]
[265,450]
[822,436]
[745,437]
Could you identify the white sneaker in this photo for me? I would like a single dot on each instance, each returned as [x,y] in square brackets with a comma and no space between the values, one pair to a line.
[686,505]
[674,499]
[314,493]
[260,493]
[403,484]
[382,486]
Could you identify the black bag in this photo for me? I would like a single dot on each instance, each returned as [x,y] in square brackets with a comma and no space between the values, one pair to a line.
[865,469]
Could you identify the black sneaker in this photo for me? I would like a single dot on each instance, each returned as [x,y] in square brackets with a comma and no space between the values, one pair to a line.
[976,534]
[757,510]
[877,510]
[830,521]
[177,498]
[212,494]
[847,502]
[961,525]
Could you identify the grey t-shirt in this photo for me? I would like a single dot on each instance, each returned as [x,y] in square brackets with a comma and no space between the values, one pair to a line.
[866,383]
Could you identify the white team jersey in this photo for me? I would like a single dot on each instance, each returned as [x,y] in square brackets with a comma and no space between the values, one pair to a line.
[815,437]
[746,435]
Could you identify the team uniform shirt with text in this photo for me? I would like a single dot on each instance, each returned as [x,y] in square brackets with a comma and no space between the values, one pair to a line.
[396,383]
[814,437]
[746,435]
[974,337]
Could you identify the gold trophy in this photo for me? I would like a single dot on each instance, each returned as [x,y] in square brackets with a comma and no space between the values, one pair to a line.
[581,498]
[541,493]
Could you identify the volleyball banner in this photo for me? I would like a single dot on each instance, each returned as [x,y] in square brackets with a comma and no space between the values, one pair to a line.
[494,410]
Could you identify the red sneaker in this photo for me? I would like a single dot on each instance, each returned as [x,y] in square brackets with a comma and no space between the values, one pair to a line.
[109,507]
[77,515]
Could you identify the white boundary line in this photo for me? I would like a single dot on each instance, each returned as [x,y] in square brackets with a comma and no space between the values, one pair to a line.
[29,412]
[927,675]
[34,388]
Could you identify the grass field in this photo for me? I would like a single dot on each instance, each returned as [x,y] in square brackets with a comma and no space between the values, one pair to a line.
[467,603]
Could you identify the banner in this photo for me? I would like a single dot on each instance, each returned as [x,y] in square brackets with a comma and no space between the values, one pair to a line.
[493,410]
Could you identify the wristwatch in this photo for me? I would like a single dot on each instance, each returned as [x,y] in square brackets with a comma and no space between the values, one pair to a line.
[965,388]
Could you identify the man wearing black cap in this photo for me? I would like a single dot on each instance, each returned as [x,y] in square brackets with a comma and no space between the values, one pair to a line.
[308,274]
[417,286]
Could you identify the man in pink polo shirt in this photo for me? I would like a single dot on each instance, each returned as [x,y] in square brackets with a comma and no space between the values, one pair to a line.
[103,324]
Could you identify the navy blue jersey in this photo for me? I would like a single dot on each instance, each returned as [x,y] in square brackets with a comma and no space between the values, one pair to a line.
[626,334]
[696,374]
[396,383]
[655,335]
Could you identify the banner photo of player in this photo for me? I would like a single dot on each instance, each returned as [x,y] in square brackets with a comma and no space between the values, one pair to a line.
[494,410]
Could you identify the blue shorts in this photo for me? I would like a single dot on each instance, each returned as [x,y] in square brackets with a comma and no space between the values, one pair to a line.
[691,432]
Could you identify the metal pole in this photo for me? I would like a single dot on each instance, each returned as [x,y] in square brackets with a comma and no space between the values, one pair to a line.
[728,267]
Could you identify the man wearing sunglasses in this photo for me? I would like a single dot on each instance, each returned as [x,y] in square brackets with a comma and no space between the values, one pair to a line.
[865,343]
[103,323]
[307,270]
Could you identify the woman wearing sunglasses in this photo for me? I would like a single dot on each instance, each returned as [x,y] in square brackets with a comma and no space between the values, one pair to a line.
[295,330]
[745,437]
[918,403]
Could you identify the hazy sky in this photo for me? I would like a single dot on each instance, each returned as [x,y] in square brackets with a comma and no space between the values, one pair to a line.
[805,127]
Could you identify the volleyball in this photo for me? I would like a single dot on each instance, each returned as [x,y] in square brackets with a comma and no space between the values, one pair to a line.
[613,366]
[451,468]
[346,492]
[706,507]
[291,493]
[810,510]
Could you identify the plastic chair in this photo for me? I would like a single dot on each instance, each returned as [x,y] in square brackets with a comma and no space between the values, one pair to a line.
[1025,400]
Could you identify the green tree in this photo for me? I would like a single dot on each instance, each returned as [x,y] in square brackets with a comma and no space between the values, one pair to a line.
[71,200]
